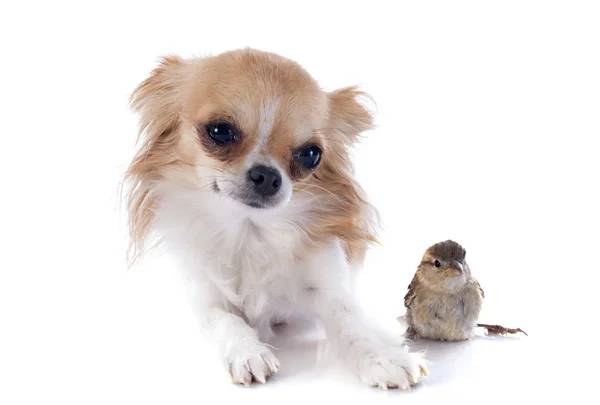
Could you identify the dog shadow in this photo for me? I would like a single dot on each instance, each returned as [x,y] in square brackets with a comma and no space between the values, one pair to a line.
[302,349]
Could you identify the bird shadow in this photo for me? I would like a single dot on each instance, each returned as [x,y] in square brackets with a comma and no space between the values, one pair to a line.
[302,349]
[448,361]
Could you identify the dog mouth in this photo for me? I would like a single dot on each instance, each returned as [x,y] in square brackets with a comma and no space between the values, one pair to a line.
[257,202]
[251,201]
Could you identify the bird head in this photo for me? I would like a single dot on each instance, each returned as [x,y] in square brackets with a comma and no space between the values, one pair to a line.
[444,263]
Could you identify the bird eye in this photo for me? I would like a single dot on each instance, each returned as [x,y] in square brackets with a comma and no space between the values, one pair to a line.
[221,132]
[310,157]
[437,263]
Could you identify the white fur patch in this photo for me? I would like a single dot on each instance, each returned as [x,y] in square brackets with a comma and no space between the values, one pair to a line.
[266,121]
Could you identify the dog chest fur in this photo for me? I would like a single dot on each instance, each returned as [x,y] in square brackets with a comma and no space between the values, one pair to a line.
[249,258]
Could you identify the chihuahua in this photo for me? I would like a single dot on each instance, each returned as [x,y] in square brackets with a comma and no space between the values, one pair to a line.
[243,172]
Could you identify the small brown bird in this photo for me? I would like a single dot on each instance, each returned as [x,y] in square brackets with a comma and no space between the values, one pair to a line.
[444,299]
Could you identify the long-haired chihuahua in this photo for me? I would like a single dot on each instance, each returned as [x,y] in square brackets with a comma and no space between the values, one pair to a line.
[243,172]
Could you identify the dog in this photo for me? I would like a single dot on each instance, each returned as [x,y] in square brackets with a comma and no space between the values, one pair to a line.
[243,171]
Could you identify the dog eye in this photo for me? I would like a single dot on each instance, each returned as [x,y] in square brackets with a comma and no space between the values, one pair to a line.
[221,132]
[310,157]
[437,263]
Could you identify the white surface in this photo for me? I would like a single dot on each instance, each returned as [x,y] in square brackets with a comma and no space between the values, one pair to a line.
[488,134]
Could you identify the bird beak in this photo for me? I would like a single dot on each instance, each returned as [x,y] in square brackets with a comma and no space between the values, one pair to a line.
[454,270]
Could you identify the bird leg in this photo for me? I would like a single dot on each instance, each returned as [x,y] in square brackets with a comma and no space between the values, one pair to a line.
[500,330]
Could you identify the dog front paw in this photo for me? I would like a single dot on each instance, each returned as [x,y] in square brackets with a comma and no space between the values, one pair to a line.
[250,364]
[391,368]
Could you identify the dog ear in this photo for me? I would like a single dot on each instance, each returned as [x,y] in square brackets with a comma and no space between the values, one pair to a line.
[348,115]
[156,100]
[347,214]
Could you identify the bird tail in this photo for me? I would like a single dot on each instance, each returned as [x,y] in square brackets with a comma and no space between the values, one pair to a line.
[500,330]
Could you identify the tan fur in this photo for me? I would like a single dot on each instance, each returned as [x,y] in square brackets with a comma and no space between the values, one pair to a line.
[181,96]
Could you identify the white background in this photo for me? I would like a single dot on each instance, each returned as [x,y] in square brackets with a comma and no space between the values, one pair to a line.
[488,127]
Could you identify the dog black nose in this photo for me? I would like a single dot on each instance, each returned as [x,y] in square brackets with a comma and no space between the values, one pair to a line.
[266,180]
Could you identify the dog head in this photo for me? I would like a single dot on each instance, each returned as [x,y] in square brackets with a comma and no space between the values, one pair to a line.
[253,128]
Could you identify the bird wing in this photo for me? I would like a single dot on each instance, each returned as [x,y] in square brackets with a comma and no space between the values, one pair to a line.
[480,289]
[411,294]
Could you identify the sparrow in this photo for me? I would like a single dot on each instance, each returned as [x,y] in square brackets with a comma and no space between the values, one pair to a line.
[444,300]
